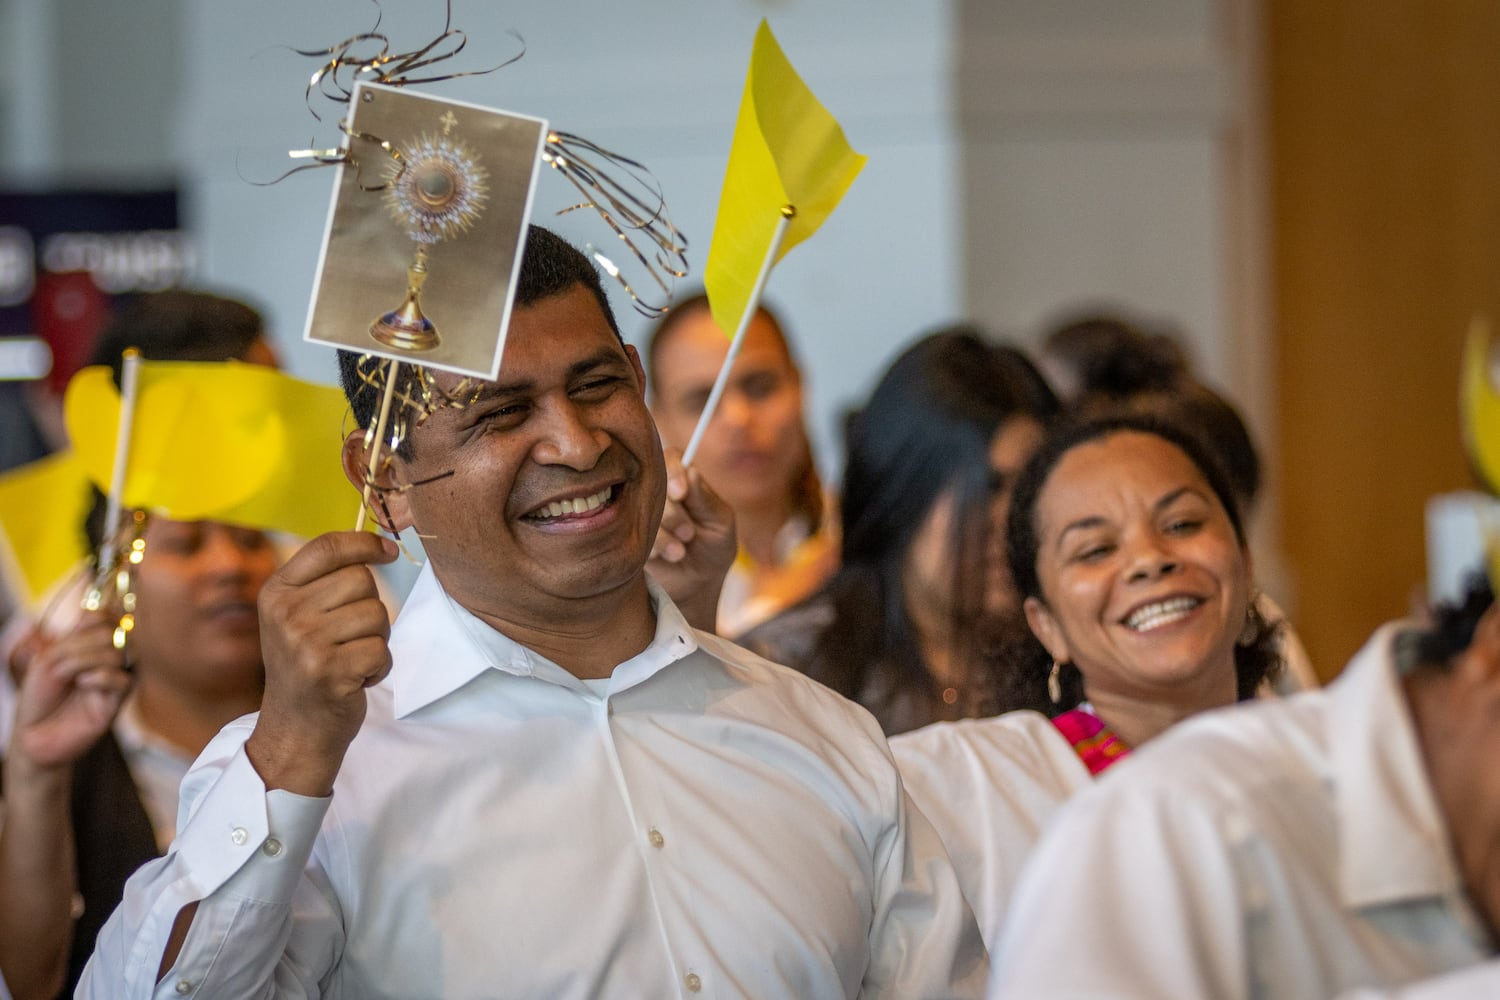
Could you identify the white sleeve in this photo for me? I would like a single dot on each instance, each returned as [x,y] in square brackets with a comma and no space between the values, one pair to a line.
[265,925]
[1107,906]
[1482,980]
[923,939]
[989,787]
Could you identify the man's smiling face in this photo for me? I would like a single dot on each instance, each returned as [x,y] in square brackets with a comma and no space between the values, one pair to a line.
[557,477]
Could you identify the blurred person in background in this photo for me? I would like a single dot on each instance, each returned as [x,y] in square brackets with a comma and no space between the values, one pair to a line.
[755,454]
[95,754]
[911,623]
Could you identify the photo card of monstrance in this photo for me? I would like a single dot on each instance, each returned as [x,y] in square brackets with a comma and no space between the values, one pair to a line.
[426,230]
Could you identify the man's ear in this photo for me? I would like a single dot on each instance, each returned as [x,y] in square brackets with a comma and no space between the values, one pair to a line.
[1046,629]
[635,363]
[387,504]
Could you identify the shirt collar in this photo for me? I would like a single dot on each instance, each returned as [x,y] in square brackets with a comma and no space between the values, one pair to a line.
[1393,842]
[438,646]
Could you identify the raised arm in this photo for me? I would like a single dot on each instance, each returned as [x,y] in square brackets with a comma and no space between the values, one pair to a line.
[71,688]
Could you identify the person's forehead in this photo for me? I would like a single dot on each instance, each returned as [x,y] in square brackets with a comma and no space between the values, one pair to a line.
[1126,465]
[575,307]
[697,344]
[1014,441]
[1135,451]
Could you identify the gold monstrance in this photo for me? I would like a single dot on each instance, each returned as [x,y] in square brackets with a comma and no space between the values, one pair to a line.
[437,191]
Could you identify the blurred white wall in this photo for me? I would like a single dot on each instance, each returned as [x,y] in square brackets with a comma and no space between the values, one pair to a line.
[1026,156]
[658,82]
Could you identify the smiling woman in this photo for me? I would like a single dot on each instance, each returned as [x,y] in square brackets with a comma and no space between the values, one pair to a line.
[1126,547]
[1129,552]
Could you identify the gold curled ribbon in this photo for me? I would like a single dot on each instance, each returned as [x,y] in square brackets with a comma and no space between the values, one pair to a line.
[622,192]
[334,80]
[345,66]
[417,396]
[342,155]
[634,207]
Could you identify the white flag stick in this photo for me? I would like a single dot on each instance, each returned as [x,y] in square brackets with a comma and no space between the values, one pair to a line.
[130,380]
[787,212]
[377,438]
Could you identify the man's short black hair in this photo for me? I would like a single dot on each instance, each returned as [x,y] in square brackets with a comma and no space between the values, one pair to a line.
[550,265]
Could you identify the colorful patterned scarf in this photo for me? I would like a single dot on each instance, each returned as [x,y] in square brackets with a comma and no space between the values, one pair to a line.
[1095,745]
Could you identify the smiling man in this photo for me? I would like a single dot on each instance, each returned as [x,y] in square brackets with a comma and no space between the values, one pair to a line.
[543,782]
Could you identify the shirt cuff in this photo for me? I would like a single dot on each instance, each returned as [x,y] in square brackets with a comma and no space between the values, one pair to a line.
[251,842]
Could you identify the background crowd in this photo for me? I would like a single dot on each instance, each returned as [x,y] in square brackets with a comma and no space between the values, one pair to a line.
[1024,579]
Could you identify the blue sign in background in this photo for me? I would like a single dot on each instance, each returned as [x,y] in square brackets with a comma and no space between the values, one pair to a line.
[126,241]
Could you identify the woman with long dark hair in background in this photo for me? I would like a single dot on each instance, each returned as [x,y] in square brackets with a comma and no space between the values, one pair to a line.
[911,623]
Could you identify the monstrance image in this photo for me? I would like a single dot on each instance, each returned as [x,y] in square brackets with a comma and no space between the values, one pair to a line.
[433,199]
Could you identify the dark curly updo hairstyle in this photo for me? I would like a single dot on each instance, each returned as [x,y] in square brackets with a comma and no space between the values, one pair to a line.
[1027,687]
[1450,631]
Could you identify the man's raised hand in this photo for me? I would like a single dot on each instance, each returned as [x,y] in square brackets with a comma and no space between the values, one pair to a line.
[324,638]
[695,545]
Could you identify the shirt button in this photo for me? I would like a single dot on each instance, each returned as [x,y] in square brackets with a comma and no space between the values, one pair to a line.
[239,836]
[183,986]
[655,837]
[272,847]
[692,982]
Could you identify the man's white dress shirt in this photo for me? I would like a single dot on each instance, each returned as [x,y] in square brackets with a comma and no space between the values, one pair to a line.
[1282,849]
[711,825]
[989,786]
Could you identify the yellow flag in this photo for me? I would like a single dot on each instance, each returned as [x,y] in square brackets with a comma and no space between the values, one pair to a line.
[220,441]
[1481,406]
[1481,427]
[787,150]
[42,507]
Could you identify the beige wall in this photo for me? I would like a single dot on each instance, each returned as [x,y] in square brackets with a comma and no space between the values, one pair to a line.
[1385,168]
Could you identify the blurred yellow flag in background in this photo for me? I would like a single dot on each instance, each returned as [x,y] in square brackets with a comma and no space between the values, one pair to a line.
[220,441]
[1480,412]
[42,507]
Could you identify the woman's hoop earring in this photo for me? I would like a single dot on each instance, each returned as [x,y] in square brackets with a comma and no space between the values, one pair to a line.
[1054,683]
[1250,631]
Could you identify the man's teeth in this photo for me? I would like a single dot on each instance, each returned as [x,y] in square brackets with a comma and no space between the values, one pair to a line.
[558,508]
[1161,613]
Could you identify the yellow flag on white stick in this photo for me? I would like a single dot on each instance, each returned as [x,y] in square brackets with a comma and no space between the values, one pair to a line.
[221,441]
[787,151]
